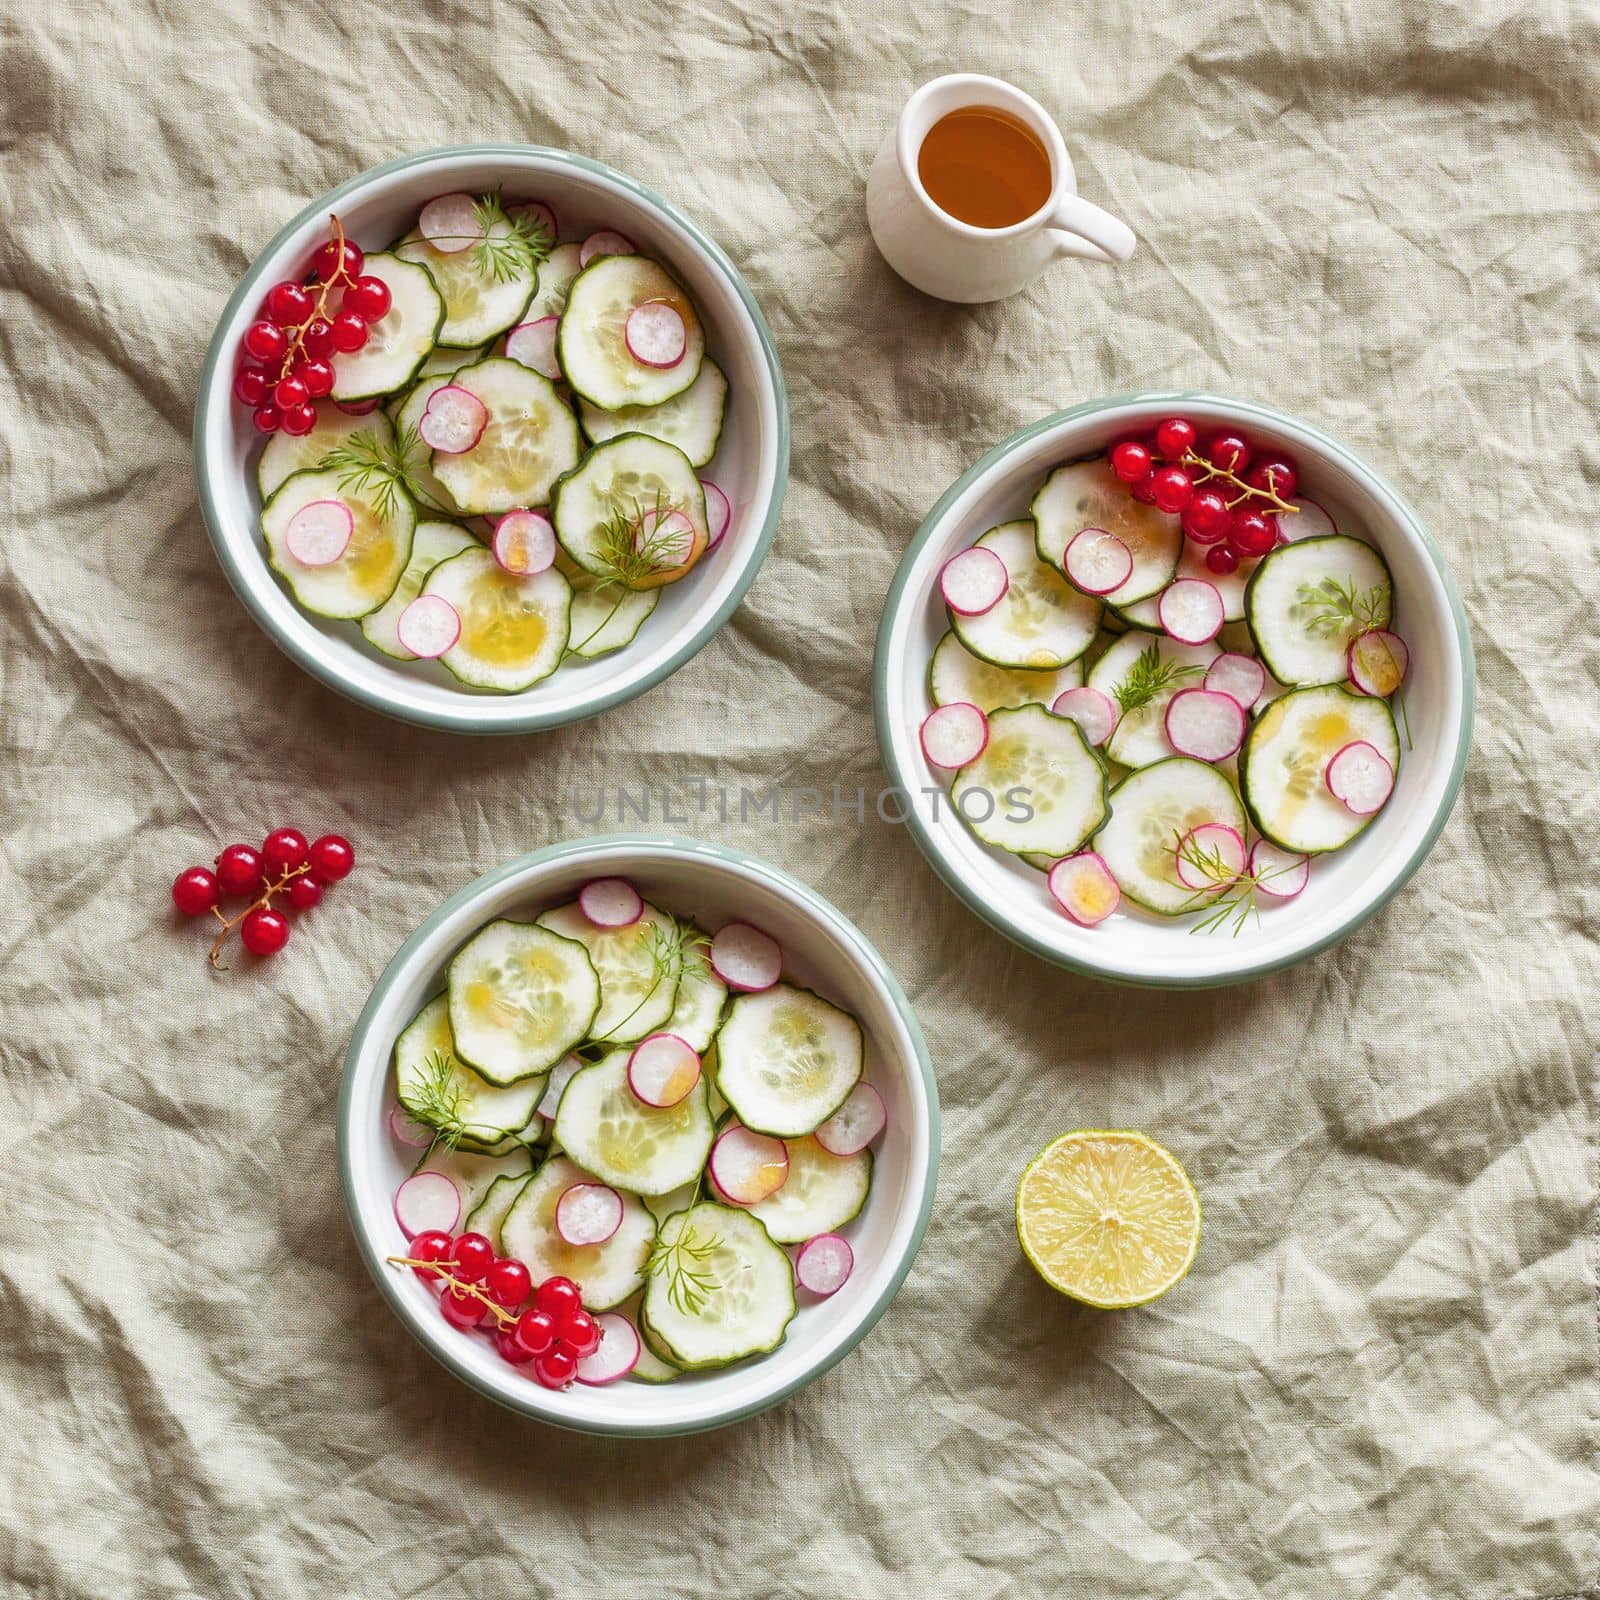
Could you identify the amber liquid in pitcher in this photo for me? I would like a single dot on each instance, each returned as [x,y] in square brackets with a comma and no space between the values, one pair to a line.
[984,167]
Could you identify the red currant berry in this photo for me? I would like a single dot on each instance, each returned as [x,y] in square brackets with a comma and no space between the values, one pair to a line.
[264,932]
[289,392]
[559,1297]
[1206,518]
[288,304]
[1275,476]
[325,263]
[580,1334]
[555,1368]
[508,1282]
[536,1332]
[473,1256]
[300,420]
[332,857]
[349,332]
[265,341]
[317,376]
[317,340]
[506,1342]
[1252,534]
[304,892]
[1220,559]
[433,1245]
[283,851]
[1175,436]
[1144,490]
[368,298]
[266,419]
[1130,461]
[462,1310]
[1230,452]
[1170,488]
[194,891]
[239,870]
[250,385]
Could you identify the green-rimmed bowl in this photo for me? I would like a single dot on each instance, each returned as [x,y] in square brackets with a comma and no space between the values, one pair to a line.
[1346,887]
[821,949]
[751,465]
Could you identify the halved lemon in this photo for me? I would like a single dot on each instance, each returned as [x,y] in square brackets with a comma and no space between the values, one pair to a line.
[1109,1218]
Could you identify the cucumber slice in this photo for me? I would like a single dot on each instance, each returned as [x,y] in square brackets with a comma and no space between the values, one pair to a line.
[638,966]
[719,1289]
[599,508]
[1088,494]
[1145,615]
[786,1059]
[821,1193]
[1296,605]
[1286,755]
[1140,736]
[399,341]
[592,345]
[286,455]
[606,1274]
[652,1366]
[415,456]
[1041,623]
[475,1175]
[520,998]
[490,1212]
[513,630]
[697,1011]
[370,568]
[426,1065]
[955,674]
[1151,810]
[691,420]
[1037,786]
[531,438]
[662,1206]
[644,1149]
[477,305]
[442,359]
[432,543]
[556,273]
[606,615]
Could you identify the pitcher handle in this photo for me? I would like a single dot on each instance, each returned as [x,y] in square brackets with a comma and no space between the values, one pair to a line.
[1081,228]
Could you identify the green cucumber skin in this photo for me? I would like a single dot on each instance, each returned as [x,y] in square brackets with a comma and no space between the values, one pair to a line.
[560,358]
[410,377]
[1249,608]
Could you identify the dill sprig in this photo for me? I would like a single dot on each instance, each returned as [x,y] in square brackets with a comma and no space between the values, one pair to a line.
[1149,676]
[516,252]
[682,1263]
[1239,889]
[634,546]
[374,469]
[433,1099]
[1335,607]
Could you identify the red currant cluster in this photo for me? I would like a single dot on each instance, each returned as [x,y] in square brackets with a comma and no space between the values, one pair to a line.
[285,864]
[552,1335]
[289,350]
[1227,498]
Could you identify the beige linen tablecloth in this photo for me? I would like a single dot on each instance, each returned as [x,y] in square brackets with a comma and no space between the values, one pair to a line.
[1381,1377]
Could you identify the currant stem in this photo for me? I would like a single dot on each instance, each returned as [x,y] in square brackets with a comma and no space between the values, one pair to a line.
[340,278]
[262,900]
[1247,491]
[459,1285]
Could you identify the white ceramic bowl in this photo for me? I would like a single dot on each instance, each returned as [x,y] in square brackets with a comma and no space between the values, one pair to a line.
[1347,886]
[751,465]
[821,950]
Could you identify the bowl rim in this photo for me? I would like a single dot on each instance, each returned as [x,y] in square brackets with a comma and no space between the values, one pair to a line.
[313,660]
[833,921]
[894,608]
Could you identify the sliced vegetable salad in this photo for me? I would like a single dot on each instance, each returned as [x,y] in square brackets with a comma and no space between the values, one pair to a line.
[631,1143]
[1172,685]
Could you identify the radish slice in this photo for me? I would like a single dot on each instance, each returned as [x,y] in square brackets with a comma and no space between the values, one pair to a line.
[618,1352]
[745,958]
[454,420]
[973,582]
[1308,521]
[524,543]
[1094,712]
[319,533]
[719,512]
[665,538]
[605,243]
[359,408]
[1191,610]
[1097,562]
[856,1123]
[1359,776]
[1205,724]
[663,1069]
[534,345]
[955,734]
[561,1074]
[655,334]
[1279,873]
[427,1201]
[588,1213]
[449,222]
[824,1264]
[747,1166]
[537,214]
[1210,857]
[1241,678]
[428,627]
[1378,661]
[1085,888]
[611,902]
[407,1130]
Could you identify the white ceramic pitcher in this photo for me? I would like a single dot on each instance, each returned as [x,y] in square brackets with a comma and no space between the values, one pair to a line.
[954,260]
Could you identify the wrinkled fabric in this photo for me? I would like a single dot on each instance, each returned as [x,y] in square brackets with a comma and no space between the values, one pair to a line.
[1382,1375]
